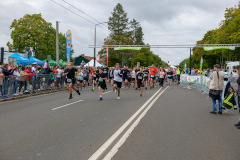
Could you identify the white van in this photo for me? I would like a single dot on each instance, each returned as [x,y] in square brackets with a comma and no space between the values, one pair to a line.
[231,68]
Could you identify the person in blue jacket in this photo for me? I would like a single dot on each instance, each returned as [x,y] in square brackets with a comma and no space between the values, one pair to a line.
[6,73]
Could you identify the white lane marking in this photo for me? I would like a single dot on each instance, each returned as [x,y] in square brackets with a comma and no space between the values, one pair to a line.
[66,105]
[102,149]
[107,92]
[114,150]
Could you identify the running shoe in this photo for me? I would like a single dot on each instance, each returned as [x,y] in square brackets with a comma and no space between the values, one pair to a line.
[136,89]
[100,99]
[140,95]
[70,97]
[81,88]
[118,97]
[93,89]
[145,87]
[78,92]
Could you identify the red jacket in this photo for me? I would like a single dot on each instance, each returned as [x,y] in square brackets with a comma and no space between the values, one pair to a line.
[31,74]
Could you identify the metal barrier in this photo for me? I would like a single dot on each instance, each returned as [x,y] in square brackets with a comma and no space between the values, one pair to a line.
[202,83]
[29,84]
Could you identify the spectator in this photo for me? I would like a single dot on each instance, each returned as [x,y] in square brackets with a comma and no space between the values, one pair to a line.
[192,71]
[187,71]
[22,80]
[6,73]
[47,77]
[16,75]
[46,65]
[83,64]
[1,81]
[58,71]
[216,84]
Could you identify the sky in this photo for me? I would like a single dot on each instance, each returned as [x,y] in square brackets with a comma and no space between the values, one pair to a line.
[164,22]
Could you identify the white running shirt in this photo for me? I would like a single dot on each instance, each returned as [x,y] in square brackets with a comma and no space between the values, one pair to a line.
[116,76]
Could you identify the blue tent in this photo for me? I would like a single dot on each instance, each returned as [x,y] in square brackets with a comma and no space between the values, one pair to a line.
[39,62]
[20,59]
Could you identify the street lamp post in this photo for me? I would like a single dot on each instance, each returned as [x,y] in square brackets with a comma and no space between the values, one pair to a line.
[95,41]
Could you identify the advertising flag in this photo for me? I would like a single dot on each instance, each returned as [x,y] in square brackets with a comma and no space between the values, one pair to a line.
[201,62]
[107,52]
[69,44]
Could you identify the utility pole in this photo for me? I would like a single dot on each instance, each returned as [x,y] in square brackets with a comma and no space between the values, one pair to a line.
[95,41]
[57,44]
[95,45]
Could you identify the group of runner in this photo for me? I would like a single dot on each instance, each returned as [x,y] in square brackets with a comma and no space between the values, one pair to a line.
[115,76]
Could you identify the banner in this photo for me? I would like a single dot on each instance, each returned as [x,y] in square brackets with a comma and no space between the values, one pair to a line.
[69,43]
[126,48]
[201,63]
[206,81]
[107,52]
[222,47]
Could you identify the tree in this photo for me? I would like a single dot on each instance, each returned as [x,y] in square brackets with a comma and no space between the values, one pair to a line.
[136,32]
[33,31]
[118,22]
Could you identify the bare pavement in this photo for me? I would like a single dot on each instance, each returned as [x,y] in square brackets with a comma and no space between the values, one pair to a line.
[164,124]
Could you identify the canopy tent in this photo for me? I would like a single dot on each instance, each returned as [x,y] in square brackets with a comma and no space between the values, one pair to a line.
[51,63]
[64,64]
[91,63]
[21,60]
[60,62]
[39,62]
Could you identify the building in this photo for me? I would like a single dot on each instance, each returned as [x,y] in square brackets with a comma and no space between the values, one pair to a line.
[7,54]
[77,61]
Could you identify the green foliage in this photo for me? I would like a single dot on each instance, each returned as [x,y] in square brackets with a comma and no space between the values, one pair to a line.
[127,33]
[33,31]
[227,33]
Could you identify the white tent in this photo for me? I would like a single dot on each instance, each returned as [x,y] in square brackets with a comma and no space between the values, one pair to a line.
[173,67]
[91,63]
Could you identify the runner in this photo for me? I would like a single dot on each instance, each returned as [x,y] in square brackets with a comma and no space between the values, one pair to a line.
[102,82]
[112,74]
[161,77]
[129,77]
[117,79]
[79,78]
[86,76]
[170,77]
[146,76]
[94,76]
[140,80]
[70,72]
[125,76]
[133,77]
[153,70]
[105,71]
[136,70]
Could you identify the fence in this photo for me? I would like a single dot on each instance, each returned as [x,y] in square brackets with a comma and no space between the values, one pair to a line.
[202,83]
[14,86]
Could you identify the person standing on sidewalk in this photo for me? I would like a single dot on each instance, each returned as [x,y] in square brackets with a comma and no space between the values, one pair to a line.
[238,93]
[217,84]
[178,74]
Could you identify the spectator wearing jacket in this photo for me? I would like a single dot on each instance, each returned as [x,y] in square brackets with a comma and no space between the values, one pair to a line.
[217,84]
[238,93]
[6,73]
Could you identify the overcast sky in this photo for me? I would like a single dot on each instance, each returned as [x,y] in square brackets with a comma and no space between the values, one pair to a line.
[163,21]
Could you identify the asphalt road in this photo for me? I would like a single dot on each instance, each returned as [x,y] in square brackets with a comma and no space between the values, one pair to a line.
[173,124]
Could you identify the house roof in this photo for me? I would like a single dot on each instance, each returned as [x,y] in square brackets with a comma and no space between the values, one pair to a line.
[90,58]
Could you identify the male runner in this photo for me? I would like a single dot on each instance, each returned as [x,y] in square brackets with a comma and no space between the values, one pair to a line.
[117,79]
[140,80]
[125,76]
[94,76]
[102,82]
[129,77]
[169,77]
[70,72]
[136,71]
[146,76]
[105,71]
[153,70]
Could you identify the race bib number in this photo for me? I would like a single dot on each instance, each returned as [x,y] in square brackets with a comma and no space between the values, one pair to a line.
[139,77]
[94,75]
[69,80]
[79,77]
[116,74]
[100,80]
[152,76]
[85,75]
[105,71]
[169,76]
